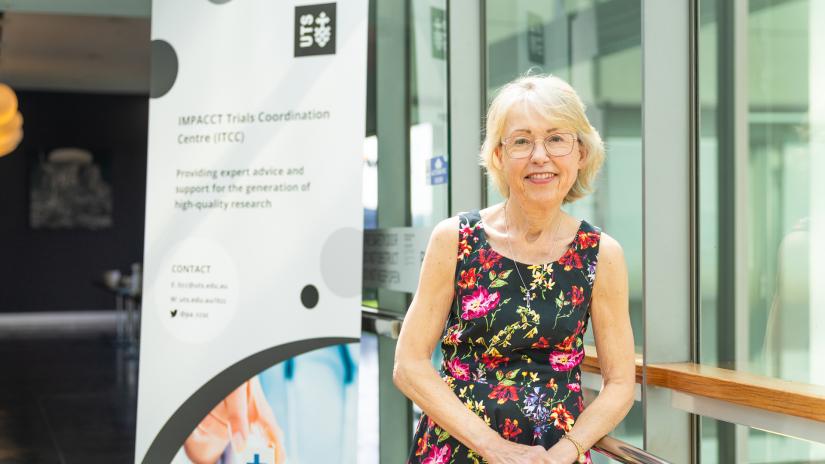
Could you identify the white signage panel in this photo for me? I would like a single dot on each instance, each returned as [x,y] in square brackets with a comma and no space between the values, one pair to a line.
[252,283]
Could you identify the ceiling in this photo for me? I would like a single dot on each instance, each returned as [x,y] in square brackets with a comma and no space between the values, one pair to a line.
[76,53]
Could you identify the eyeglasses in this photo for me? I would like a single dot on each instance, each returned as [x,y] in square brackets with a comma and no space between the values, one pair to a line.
[521,146]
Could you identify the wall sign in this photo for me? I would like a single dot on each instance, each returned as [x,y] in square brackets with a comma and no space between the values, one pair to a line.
[393,256]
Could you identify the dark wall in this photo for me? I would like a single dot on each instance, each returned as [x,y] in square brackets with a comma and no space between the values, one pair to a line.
[52,270]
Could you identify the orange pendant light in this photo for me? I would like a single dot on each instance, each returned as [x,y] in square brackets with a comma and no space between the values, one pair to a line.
[11,121]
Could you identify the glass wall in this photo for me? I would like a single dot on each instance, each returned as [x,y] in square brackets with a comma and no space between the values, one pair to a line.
[760,205]
[757,446]
[596,47]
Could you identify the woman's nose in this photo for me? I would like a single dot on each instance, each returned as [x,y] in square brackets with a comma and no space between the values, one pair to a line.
[540,154]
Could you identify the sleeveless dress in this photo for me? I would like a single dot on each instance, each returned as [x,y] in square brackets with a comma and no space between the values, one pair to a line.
[516,368]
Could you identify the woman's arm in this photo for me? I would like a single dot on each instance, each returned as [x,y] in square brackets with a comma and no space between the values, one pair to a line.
[614,343]
[413,372]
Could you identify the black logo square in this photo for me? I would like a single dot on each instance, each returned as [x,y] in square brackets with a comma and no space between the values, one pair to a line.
[315,29]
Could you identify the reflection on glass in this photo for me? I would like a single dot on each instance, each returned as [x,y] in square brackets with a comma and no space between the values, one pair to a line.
[761,206]
[596,47]
[758,203]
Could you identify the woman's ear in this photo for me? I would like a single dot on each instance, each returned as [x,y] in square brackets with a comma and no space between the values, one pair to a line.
[582,153]
[497,157]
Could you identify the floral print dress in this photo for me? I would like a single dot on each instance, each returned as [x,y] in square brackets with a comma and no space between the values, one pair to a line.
[516,368]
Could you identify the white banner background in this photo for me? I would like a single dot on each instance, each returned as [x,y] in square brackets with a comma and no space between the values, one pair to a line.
[224,283]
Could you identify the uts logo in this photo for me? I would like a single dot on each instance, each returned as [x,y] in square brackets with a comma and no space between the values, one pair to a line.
[315,30]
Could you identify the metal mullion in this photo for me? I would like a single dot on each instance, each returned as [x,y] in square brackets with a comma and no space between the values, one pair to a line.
[465,110]
[693,183]
[666,216]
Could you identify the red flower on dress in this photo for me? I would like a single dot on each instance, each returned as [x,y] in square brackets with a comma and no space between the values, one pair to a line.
[488,258]
[439,455]
[542,343]
[468,279]
[503,393]
[587,239]
[576,295]
[574,387]
[511,429]
[571,260]
[561,417]
[478,304]
[453,336]
[564,361]
[464,249]
[567,343]
[492,361]
[422,444]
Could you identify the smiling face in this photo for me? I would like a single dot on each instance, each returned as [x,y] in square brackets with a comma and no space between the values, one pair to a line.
[538,178]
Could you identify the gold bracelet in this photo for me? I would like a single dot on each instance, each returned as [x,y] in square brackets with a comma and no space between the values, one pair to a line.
[579,448]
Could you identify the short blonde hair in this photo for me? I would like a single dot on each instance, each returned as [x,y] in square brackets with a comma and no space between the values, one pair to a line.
[554,99]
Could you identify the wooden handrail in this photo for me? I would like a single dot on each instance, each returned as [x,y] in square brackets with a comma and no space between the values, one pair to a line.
[737,387]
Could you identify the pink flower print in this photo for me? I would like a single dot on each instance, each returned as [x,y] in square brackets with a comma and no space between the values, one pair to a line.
[574,387]
[564,361]
[439,455]
[458,369]
[465,231]
[479,303]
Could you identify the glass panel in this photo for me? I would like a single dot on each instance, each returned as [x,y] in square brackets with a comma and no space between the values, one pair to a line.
[596,47]
[758,446]
[759,204]
[762,118]
[428,112]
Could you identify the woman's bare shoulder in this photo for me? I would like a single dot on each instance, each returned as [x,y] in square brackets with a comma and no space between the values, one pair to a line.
[609,245]
[444,238]
[611,256]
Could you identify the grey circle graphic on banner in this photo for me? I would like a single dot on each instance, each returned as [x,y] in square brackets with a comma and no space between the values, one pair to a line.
[339,257]
[164,68]
[220,2]
[309,296]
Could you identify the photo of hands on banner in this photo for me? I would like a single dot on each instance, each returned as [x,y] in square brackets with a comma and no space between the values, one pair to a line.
[274,418]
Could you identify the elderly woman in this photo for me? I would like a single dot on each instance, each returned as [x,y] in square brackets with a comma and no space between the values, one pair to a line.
[509,291]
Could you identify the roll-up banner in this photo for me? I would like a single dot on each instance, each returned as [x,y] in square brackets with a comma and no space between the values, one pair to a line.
[254,226]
